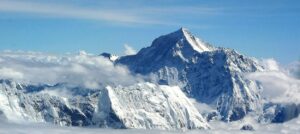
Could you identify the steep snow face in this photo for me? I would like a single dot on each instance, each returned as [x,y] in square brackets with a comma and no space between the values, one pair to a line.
[148,106]
[195,42]
[211,75]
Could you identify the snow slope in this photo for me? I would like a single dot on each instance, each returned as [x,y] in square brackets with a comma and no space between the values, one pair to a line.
[148,106]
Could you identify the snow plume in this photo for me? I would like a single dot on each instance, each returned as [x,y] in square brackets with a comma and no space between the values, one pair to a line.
[129,50]
[83,69]
[278,85]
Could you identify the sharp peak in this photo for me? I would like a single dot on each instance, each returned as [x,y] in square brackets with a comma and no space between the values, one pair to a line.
[179,36]
[180,33]
[182,30]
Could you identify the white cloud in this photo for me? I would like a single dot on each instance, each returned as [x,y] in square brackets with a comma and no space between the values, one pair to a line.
[129,50]
[278,85]
[81,70]
[9,73]
[270,64]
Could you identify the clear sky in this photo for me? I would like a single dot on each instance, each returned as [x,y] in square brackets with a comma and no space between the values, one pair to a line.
[258,28]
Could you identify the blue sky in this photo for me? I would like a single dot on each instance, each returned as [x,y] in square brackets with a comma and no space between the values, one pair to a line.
[262,29]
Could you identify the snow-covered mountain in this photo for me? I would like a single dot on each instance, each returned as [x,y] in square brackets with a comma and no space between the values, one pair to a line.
[144,106]
[211,75]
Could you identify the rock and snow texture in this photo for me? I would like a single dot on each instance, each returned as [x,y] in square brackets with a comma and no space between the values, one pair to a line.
[149,106]
[144,106]
[208,74]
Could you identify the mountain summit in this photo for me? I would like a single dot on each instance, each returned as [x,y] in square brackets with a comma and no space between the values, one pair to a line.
[191,40]
[179,43]
[174,49]
[210,75]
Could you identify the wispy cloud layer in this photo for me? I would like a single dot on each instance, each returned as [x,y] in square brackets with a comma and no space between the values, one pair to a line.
[278,85]
[71,12]
[138,14]
[78,70]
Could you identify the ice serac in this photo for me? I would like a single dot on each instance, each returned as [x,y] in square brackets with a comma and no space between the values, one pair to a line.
[211,75]
[149,106]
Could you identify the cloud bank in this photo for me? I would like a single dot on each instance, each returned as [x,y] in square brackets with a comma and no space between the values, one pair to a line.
[81,69]
[278,85]
[291,127]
